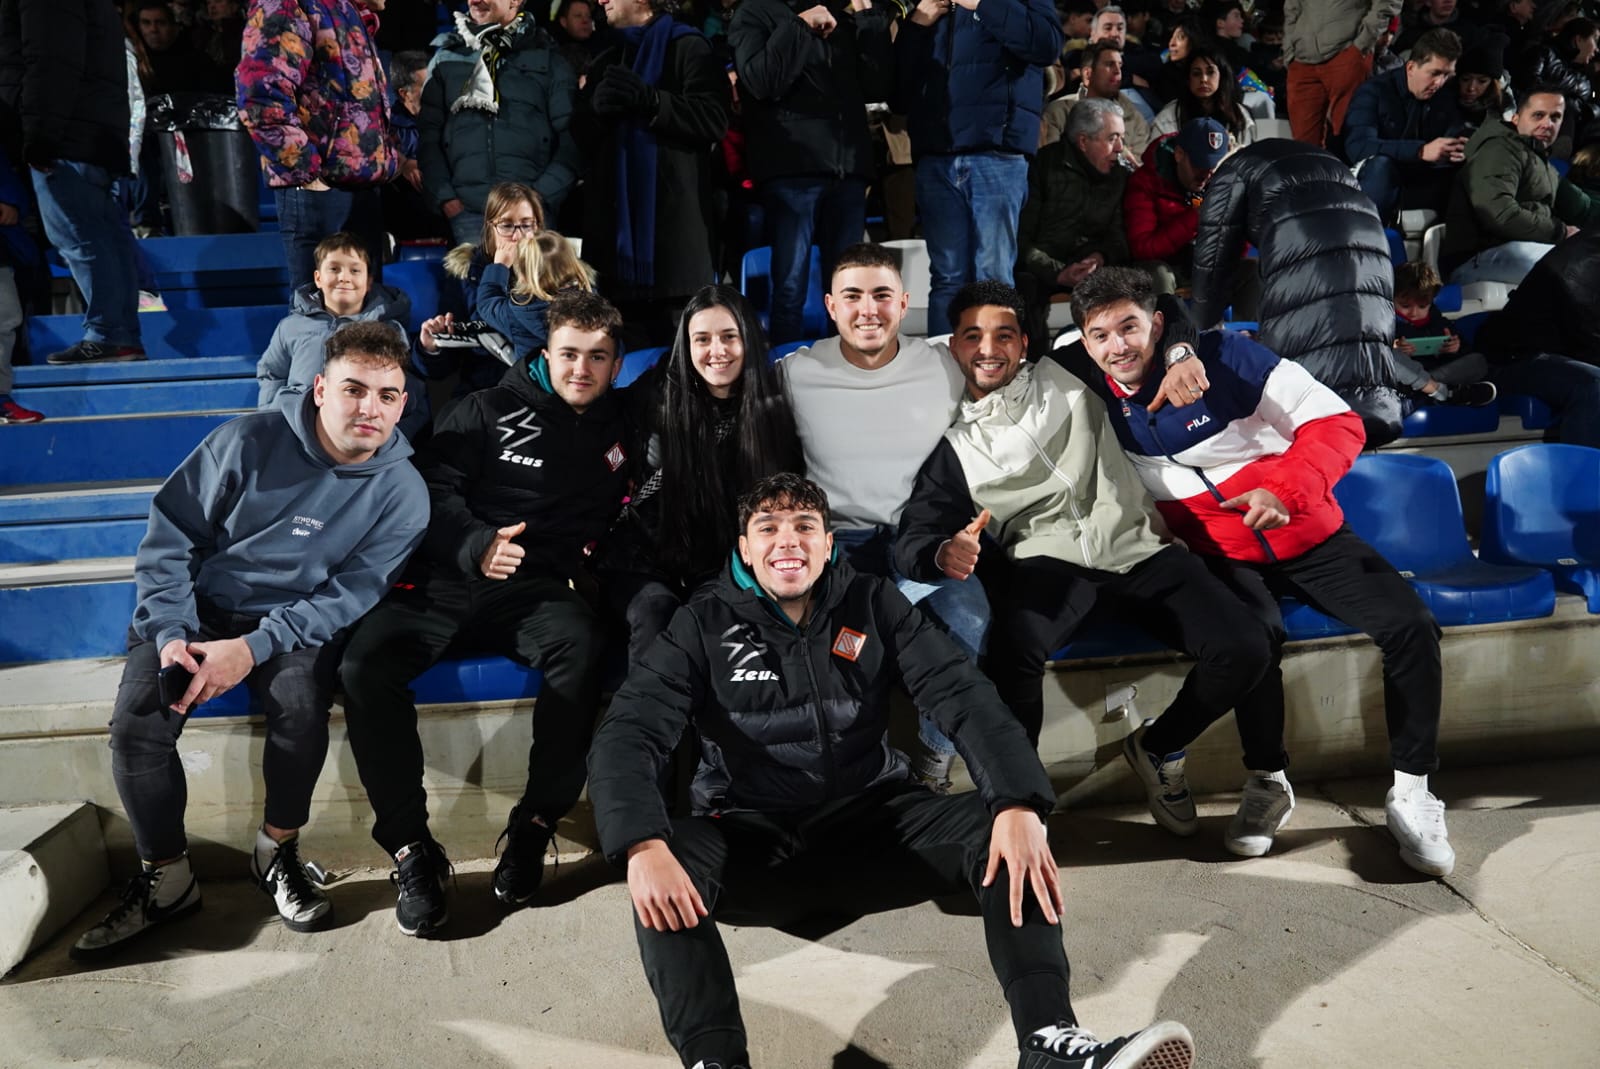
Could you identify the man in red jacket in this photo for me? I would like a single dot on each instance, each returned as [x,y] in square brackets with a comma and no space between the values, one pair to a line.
[1242,468]
[1161,209]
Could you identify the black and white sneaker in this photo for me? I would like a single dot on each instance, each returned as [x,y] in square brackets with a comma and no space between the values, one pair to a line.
[279,872]
[703,1064]
[1164,1045]
[1472,394]
[521,866]
[421,870]
[151,898]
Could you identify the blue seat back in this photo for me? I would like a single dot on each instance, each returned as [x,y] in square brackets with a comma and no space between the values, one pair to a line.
[1408,509]
[424,281]
[639,361]
[755,282]
[1542,505]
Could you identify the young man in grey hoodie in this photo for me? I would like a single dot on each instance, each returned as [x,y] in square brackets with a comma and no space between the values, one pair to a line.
[276,534]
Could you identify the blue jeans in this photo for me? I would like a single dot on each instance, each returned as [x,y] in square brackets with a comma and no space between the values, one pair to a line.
[1570,387]
[83,220]
[1508,263]
[969,204]
[467,227]
[307,216]
[958,605]
[830,212]
[1394,186]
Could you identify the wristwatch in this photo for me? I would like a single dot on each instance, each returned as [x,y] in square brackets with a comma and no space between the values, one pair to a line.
[1179,353]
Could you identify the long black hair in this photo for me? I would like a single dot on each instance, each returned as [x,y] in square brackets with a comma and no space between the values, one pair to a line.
[1225,106]
[699,492]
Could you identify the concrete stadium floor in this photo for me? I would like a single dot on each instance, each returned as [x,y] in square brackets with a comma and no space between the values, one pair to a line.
[1327,953]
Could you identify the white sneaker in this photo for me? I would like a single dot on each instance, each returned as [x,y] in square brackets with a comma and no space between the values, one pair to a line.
[1163,1045]
[153,897]
[1165,785]
[1264,809]
[1416,820]
[302,906]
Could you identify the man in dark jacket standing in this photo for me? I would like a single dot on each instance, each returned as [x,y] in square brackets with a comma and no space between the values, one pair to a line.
[659,101]
[971,85]
[497,107]
[1404,131]
[806,73]
[523,476]
[64,114]
[786,667]
[1327,284]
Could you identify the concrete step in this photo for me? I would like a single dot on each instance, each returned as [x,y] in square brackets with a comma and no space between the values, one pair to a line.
[52,865]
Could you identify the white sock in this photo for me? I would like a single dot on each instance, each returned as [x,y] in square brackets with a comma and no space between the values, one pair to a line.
[1405,782]
[1277,777]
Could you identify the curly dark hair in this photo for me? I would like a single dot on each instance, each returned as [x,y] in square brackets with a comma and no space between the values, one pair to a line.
[785,490]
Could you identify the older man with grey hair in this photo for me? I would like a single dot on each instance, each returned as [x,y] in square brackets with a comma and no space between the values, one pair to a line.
[1072,220]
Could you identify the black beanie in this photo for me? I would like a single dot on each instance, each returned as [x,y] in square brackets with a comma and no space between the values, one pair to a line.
[1487,58]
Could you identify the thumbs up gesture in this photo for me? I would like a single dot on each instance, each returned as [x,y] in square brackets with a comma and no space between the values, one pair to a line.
[959,555]
[503,556]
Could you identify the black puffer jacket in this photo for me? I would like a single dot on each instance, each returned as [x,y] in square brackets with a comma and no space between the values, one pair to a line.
[1552,311]
[517,452]
[1327,284]
[64,82]
[804,96]
[790,717]
[1541,65]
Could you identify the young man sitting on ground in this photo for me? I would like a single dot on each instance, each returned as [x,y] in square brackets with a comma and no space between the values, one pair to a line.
[786,667]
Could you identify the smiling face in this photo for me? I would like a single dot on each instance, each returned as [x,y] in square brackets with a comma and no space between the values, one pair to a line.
[786,550]
[359,400]
[582,364]
[493,12]
[716,349]
[1540,116]
[341,278]
[1121,338]
[989,346]
[867,304]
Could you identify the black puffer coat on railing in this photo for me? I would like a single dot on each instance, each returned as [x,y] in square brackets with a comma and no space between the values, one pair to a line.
[1327,284]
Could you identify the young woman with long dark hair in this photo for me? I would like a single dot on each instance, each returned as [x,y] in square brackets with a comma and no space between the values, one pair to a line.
[1212,91]
[712,419]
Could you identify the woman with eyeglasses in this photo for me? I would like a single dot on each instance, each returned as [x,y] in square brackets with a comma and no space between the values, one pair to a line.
[511,212]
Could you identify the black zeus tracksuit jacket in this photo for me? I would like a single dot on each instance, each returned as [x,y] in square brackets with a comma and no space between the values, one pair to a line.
[792,717]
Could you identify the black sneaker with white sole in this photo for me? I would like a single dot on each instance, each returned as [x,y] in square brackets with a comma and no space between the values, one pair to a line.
[520,870]
[1164,1045]
[150,899]
[96,352]
[301,904]
[1472,394]
[421,870]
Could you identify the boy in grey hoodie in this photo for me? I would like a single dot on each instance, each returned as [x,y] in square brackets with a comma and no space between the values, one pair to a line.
[276,534]
[341,291]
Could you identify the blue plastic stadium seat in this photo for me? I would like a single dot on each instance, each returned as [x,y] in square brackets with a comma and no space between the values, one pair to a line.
[1542,507]
[637,362]
[755,282]
[1397,246]
[1434,421]
[469,679]
[1467,325]
[778,352]
[1534,413]
[1301,621]
[424,281]
[420,250]
[1409,510]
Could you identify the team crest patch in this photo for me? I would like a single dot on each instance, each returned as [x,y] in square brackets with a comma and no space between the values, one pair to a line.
[615,456]
[849,644]
[1214,139]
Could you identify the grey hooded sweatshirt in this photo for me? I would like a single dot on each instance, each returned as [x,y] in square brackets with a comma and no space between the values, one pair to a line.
[294,356]
[259,520]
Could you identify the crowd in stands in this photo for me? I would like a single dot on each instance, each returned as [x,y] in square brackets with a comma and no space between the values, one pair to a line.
[591,173]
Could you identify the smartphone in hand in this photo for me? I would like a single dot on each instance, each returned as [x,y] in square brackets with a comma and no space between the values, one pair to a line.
[173,682]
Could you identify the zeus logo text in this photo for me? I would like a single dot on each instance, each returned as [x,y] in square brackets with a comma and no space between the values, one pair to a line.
[1194,423]
[753,675]
[510,457]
